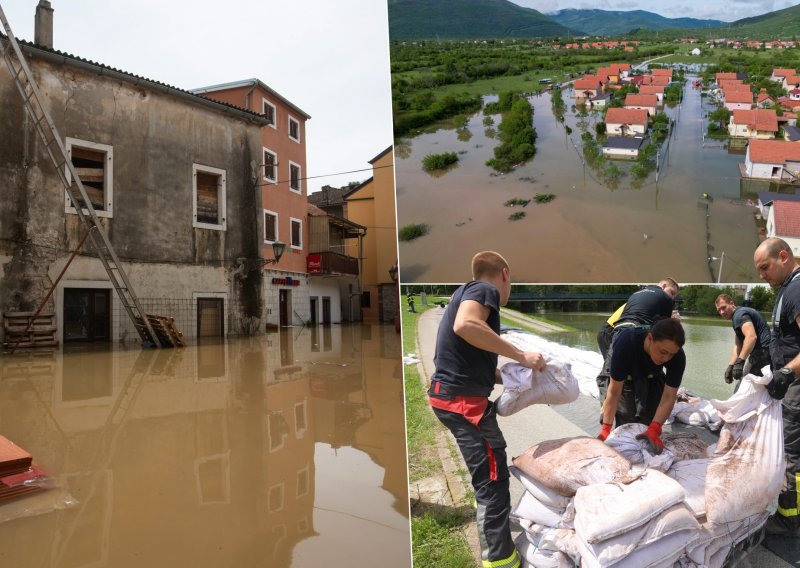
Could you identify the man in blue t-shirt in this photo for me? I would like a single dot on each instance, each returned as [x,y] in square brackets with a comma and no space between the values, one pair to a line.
[775,261]
[751,346]
[646,369]
[467,346]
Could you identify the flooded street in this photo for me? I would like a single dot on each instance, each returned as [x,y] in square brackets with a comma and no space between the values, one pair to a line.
[591,231]
[280,450]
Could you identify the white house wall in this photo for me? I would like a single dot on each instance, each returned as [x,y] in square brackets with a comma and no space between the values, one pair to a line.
[321,287]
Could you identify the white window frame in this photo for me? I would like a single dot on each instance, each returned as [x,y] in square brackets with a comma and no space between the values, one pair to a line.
[222,192]
[300,432]
[277,217]
[108,176]
[289,128]
[266,150]
[279,490]
[299,189]
[291,244]
[265,102]
[306,471]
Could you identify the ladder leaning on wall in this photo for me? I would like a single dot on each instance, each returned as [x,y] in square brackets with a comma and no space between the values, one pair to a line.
[43,123]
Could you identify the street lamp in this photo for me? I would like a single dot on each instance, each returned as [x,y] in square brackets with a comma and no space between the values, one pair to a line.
[277,251]
[393,276]
[721,259]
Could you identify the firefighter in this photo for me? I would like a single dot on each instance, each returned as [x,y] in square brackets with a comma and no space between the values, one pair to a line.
[752,338]
[467,346]
[777,266]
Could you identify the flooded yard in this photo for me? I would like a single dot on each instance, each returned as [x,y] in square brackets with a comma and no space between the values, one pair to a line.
[280,450]
[592,231]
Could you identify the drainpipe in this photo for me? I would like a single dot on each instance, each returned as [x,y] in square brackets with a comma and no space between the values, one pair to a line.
[250,92]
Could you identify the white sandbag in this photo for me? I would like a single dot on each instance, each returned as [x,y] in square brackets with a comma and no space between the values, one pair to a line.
[623,439]
[676,519]
[552,539]
[543,493]
[691,474]
[663,552]
[697,413]
[746,472]
[705,551]
[524,386]
[605,510]
[541,558]
[531,509]
[585,364]
[566,464]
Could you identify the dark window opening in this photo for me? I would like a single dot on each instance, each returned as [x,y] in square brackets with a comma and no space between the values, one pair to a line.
[208,198]
[90,165]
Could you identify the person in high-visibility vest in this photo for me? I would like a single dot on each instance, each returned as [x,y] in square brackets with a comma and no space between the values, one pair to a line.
[467,345]
[776,265]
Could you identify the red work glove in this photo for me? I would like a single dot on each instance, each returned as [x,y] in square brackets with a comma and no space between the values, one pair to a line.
[605,431]
[653,437]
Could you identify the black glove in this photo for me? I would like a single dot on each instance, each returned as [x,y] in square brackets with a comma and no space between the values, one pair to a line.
[729,374]
[781,380]
[738,369]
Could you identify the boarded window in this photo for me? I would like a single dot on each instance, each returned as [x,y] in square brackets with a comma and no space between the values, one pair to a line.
[270,166]
[208,198]
[270,227]
[90,165]
[297,233]
[294,177]
[294,130]
[269,112]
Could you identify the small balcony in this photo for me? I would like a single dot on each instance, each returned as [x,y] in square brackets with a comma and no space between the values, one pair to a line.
[331,263]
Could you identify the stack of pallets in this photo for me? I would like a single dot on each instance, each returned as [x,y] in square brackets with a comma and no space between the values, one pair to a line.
[15,470]
[23,331]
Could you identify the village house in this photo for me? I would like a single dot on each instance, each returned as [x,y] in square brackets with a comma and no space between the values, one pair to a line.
[660,80]
[626,122]
[653,90]
[775,160]
[794,95]
[733,85]
[372,206]
[662,73]
[724,76]
[600,101]
[738,100]
[283,194]
[645,102]
[763,100]
[624,146]
[621,69]
[779,74]
[783,221]
[791,133]
[587,87]
[767,198]
[759,123]
[178,199]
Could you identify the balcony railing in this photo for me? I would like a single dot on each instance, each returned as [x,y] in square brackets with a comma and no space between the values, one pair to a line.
[332,263]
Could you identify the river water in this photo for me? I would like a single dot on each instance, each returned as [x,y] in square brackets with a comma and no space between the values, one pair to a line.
[281,450]
[591,232]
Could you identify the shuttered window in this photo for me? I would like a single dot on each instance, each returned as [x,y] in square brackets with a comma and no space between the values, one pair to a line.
[294,129]
[209,188]
[270,226]
[270,165]
[297,233]
[93,163]
[294,177]
[269,111]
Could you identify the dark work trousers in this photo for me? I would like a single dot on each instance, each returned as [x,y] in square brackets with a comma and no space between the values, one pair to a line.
[484,450]
[604,337]
[756,361]
[788,505]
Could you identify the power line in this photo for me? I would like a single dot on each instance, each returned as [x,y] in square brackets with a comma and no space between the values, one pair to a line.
[266,183]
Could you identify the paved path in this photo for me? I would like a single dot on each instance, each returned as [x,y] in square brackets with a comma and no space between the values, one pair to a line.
[538,423]
[532,323]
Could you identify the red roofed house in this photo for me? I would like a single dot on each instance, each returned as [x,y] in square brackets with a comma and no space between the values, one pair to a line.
[733,85]
[776,160]
[661,73]
[653,90]
[791,82]
[794,95]
[628,48]
[627,122]
[784,222]
[622,69]
[759,123]
[779,73]
[723,76]
[646,102]
[660,80]
[738,100]
[763,100]
[586,88]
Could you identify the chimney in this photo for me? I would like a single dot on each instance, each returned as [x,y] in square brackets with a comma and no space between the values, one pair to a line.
[43,25]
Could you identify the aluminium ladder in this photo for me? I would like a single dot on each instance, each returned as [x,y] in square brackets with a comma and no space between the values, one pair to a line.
[33,102]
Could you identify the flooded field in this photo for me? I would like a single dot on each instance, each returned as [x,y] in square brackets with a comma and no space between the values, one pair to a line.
[281,450]
[591,231]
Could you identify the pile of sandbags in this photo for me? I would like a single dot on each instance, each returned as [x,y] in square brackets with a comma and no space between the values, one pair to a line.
[695,411]
[523,386]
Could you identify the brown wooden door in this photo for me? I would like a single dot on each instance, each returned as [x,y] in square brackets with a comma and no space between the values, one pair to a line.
[285,299]
[210,317]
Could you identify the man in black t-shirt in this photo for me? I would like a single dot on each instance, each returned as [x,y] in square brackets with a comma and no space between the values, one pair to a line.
[646,369]
[467,346]
[776,265]
[642,309]
[751,346]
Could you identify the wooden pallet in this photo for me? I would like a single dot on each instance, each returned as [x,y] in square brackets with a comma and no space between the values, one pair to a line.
[23,331]
[166,330]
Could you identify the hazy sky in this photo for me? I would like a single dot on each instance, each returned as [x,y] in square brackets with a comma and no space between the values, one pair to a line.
[726,10]
[330,58]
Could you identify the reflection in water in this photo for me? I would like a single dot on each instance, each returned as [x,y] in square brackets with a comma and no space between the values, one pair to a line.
[591,232]
[261,451]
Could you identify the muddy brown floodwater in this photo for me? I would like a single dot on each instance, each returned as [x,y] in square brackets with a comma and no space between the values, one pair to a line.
[592,231]
[281,450]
